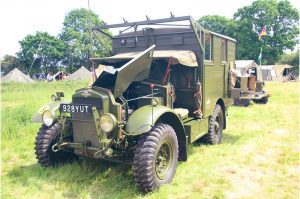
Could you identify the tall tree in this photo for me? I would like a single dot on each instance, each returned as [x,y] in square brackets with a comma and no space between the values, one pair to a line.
[76,35]
[10,62]
[219,24]
[280,19]
[41,51]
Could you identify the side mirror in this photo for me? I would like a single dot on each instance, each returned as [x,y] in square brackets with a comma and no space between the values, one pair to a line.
[58,96]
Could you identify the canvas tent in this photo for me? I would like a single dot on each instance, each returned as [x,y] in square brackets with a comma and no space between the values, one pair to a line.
[81,74]
[268,72]
[276,72]
[242,66]
[282,72]
[58,76]
[16,75]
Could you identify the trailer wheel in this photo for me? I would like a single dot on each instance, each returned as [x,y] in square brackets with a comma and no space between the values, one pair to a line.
[216,126]
[242,102]
[155,158]
[263,100]
[45,139]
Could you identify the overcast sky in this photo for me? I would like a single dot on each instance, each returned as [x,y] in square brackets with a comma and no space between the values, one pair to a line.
[19,18]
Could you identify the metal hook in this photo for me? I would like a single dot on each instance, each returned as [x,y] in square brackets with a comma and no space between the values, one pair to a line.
[55,148]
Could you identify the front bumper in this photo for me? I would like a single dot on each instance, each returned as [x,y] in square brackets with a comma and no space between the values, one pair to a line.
[83,149]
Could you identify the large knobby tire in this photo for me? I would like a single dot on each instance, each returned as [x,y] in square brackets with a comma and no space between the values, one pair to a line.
[45,139]
[155,158]
[216,126]
[263,100]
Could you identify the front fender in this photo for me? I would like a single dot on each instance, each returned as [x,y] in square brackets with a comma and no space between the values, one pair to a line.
[52,106]
[142,120]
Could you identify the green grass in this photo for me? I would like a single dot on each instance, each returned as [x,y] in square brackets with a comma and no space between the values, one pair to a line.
[258,158]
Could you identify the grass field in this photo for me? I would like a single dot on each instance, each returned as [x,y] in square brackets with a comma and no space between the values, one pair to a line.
[258,158]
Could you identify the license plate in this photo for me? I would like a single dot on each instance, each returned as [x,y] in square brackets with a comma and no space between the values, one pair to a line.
[75,108]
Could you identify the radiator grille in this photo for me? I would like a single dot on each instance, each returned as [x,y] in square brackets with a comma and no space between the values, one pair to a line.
[84,128]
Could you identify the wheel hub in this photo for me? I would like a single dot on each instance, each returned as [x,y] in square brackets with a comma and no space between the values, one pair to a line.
[217,127]
[163,160]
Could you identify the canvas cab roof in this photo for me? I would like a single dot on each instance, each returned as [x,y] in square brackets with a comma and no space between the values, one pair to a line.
[184,57]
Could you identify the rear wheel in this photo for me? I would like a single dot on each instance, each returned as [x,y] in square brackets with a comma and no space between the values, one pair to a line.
[216,125]
[263,100]
[45,139]
[242,102]
[155,158]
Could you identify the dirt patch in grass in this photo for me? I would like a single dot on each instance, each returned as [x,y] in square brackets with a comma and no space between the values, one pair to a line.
[244,181]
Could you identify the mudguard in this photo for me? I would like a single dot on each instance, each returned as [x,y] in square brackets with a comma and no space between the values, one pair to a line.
[52,106]
[142,120]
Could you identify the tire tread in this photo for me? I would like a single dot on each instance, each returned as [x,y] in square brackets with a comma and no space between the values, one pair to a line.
[143,170]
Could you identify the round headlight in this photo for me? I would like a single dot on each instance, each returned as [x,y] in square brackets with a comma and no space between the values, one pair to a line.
[108,122]
[47,118]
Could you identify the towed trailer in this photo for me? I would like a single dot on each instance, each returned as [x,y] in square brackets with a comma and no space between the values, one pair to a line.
[249,84]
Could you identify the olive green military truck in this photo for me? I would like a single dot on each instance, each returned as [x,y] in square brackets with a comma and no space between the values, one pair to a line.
[166,85]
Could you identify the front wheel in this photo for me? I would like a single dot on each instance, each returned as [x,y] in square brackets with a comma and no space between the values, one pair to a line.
[45,139]
[155,158]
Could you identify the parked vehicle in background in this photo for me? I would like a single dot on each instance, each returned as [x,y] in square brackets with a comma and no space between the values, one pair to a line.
[165,86]
[249,84]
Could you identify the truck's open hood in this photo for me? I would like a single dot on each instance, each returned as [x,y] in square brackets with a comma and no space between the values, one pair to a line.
[137,69]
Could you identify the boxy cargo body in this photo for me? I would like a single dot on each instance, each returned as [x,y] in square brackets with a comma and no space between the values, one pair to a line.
[214,53]
[166,85]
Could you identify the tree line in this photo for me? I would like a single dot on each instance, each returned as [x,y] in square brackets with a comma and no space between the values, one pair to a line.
[70,50]
[44,53]
[280,19]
